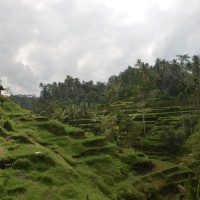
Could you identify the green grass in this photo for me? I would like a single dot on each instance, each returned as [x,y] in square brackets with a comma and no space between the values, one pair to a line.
[70,128]
[39,159]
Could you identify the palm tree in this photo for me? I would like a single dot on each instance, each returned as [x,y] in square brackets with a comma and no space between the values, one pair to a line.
[85,110]
[195,68]
[59,114]
[72,112]
[184,59]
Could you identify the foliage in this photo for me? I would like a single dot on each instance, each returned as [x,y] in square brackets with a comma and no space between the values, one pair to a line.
[8,125]
[194,162]
[172,138]
[22,163]
[54,127]
[138,108]
[25,101]
[191,189]
[142,192]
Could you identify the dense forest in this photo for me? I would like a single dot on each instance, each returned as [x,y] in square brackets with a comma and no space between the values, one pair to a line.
[177,78]
[180,76]
[143,125]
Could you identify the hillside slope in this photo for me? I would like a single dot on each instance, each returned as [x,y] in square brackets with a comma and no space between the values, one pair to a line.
[44,159]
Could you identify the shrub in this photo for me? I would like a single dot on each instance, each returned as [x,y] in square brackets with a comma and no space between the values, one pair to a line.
[172,138]
[131,195]
[8,126]
[142,165]
[3,132]
[2,190]
[2,140]
[16,190]
[41,119]
[45,179]
[40,167]
[54,127]
[22,139]
[69,192]
[95,142]
[42,159]
[22,163]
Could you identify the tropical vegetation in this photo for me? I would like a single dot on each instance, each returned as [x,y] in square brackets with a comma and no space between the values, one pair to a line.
[134,137]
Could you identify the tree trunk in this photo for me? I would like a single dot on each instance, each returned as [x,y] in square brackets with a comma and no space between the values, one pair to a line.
[198,100]
[182,115]
[143,119]
[190,116]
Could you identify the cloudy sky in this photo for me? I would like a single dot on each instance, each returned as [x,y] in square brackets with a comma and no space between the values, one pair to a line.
[46,40]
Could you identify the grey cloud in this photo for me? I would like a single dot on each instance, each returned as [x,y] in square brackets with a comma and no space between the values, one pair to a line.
[177,30]
[44,41]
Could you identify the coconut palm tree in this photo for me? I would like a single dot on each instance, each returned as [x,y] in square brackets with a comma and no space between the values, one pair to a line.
[72,112]
[86,110]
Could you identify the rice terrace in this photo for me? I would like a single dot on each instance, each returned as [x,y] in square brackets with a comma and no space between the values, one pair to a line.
[132,138]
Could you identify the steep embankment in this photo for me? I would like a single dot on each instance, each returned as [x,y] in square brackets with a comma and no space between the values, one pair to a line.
[44,159]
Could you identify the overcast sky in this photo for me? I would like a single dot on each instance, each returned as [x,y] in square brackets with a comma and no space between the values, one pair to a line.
[46,40]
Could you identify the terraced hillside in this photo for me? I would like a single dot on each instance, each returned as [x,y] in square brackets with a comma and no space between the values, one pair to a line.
[157,118]
[45,159]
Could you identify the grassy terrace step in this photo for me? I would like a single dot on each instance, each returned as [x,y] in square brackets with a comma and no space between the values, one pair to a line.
[170,170]
[172,108]
[151,147]
[77,134]
[122,105]
[180,171]
[159,127]
[158,116]
[87,126]
[62,140]
[107,149]
[170,118]
[165,109]
[43,156]
[161,165]
[150,117]
[154,153]
[151,140]
[130,111]
[41,118]
[158,155]
[154,138]
[146,123]
[95,142]
[79,145]
[180,176]
[150,122]
[98,147]
[161,158]
[50,164]
[94,158]
[84,121]
[167,171]
[157,102]
[52,126]
[12,108]
[156,171]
